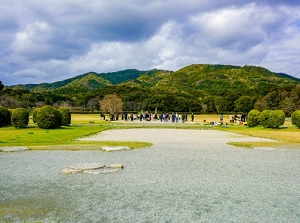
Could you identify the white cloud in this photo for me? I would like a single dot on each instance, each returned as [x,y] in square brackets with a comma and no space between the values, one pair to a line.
[61,39]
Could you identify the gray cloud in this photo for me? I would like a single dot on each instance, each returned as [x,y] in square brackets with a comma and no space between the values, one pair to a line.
[44,41]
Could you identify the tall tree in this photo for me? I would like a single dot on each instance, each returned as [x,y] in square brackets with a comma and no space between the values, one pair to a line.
[111,103]
[244,104]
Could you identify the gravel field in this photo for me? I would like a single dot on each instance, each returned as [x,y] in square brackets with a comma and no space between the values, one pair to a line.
[186,176]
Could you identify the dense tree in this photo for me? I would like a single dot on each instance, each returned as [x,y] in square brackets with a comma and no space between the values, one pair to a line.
[261,105]
[34,114]
[1,86]
[93,104]
[264,118]
[253,118]
[5,116]
[65,116]
[276,118]
[288,106]
[209,105]
[244,104]
[296,118]
[49,117]
[218,103]
[295,96]
[20,117]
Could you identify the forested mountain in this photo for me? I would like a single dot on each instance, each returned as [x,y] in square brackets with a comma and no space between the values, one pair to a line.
[198,88]
[113,77]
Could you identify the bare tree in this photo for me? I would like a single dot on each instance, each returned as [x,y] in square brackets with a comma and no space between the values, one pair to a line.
[111,103]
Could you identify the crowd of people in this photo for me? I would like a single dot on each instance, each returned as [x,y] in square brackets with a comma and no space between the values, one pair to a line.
[238,118]
[163,117]
[166,117]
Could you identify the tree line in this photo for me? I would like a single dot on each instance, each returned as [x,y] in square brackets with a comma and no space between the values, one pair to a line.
[163,99]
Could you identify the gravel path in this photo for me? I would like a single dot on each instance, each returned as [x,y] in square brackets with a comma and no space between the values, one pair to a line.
[186,176]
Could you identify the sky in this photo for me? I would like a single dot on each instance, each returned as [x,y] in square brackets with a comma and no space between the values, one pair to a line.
[44,41]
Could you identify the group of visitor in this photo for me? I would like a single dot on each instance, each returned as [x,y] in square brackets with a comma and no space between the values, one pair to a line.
[238,118]
[163,117]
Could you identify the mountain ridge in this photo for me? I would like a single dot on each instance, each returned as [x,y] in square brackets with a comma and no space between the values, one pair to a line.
[199,79]
[197,87]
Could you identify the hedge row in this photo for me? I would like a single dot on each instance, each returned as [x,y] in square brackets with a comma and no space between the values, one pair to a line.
[5,116]
[46,117]
[20,118]
[296,118]
[267,118]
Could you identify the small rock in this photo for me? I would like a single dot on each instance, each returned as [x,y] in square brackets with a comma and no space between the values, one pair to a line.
[104,170]
[92,168]
[14,149]
[264,148]
[114,148]
[117,166]
[70,171]
[86,166]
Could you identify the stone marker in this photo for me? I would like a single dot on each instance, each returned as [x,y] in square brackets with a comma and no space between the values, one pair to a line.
[117,166]
[104,170]
[264,148]
[86,166]
[14,149]
[70,171]
[114,148]
[92,168]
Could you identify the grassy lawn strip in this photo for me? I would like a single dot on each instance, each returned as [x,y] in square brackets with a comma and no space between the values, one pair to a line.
[286,137]
[92,145]
[63,138]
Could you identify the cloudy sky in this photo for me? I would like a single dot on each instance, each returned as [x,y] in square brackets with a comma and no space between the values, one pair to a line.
[47,41]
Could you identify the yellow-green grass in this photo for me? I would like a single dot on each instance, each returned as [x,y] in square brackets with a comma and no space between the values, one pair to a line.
[88,124]
[88,119]
[64,138]
[288,137]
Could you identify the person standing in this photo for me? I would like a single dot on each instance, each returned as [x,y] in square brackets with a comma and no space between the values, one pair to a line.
[192,116]
[183,117]
[221,118]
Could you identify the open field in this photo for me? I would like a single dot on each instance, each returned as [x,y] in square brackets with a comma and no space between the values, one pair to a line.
[64,138]
[186,176]
[191,173]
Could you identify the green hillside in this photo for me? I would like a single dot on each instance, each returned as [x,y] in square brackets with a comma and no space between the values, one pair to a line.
[87,83]
[113,77]
[219,80]
[198,87]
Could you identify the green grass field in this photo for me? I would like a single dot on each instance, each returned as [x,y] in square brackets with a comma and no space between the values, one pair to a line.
[64,138]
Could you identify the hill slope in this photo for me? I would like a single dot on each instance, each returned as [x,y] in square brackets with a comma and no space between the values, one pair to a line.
[216,80]
[198,87]
[197,80]
[113,77]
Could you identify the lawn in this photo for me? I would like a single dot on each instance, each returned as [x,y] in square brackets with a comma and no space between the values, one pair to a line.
[64,138]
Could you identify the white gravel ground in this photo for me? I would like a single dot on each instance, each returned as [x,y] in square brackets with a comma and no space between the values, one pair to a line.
[186,176]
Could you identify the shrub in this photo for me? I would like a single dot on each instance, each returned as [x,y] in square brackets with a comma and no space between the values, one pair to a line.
[34,115]
[276,118]
[49,117]
[5,116]
[253,118]
[264,118]
[296,118]
[20,117]
[66,116]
